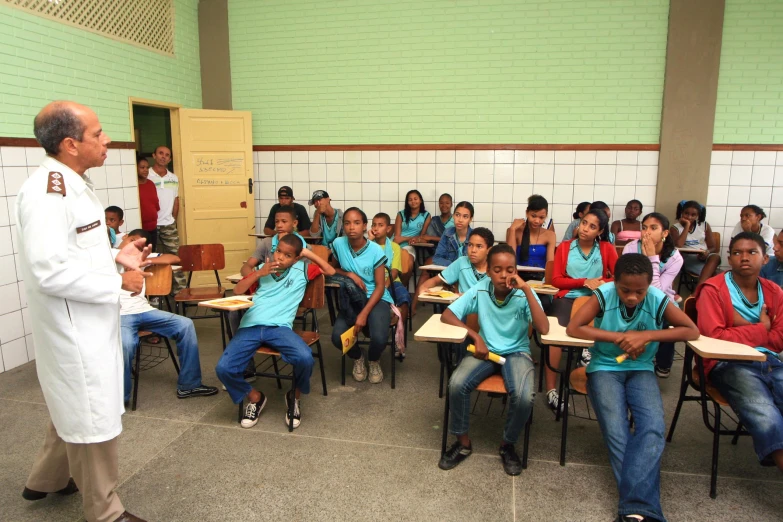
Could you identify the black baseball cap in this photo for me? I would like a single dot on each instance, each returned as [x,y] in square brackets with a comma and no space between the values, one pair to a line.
[285,192]
[318,194]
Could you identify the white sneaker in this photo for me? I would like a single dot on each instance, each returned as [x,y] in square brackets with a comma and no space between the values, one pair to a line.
[359,369]
[376,374]
[552,400]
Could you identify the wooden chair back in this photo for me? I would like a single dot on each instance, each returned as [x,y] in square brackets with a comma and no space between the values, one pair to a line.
[579,302]
[716,240]
[314,293]
[619,249]
[160,282]
[321,251]
[196,258]
[548,271]
[689,307]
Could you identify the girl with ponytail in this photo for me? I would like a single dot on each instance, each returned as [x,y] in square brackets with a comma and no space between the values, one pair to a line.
[581,265]
[693,232]
[657,244]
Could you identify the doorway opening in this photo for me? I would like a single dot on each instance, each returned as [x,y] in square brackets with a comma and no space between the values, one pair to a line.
[151,129]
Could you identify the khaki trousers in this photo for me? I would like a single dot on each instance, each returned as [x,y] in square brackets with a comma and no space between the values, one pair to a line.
[94,468]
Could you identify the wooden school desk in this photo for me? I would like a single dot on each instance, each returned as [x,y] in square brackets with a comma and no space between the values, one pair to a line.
[557,336]
[226,305]
[434,331]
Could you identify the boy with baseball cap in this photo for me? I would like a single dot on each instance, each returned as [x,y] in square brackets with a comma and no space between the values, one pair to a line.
[327,220]
[285,198]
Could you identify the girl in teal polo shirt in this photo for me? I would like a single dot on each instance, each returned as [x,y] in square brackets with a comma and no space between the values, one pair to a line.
[629,317]
[412,222]
[364,262]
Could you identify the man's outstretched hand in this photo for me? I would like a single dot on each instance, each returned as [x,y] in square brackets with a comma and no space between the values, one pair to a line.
[133,256]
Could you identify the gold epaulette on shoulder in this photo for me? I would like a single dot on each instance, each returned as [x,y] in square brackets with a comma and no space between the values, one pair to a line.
[56,185]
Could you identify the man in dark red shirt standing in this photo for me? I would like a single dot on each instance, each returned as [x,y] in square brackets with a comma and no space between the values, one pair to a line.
[148,202]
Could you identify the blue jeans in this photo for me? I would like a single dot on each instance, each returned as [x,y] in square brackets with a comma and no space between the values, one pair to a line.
[379,323]
[169,325]
[293,350]
[635,457]
[754,390]
[664,357]
[518,375]
[400,294]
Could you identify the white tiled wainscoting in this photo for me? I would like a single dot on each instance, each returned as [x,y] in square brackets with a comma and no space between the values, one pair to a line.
[497,182]
[739,178]
[115,184]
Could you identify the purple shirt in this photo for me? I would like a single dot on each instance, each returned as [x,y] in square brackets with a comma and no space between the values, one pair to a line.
[663,274]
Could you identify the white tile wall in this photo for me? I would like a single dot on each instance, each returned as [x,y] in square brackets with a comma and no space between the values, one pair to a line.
[115,183]
[497,182]
[739,178]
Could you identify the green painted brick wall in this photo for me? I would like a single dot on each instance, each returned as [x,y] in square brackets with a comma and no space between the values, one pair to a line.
[750,85]
[489,71]
[42,60]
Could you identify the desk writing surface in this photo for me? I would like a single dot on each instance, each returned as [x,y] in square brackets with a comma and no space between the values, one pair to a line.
[436,331]
[522,268]
[726,350]
[236,302]
[433,268]
[557,336]
[427,298]
[542,288]
[235,278]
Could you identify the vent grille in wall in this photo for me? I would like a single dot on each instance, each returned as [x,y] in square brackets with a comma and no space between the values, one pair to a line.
[143,23]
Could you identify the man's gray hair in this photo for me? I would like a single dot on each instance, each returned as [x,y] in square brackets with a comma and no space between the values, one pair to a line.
[53,126]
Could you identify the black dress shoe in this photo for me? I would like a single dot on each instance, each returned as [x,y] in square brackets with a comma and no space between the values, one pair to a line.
[31,494]
[129,517]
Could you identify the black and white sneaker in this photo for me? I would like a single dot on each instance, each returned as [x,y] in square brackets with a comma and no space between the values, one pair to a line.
[297,412]
[553,400]
[252,412]
[198,391]
[585,359]
[663,373]
[453,456]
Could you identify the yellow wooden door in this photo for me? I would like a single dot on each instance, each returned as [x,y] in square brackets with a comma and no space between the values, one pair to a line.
[216,177]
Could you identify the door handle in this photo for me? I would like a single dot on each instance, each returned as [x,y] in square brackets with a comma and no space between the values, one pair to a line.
[250,185]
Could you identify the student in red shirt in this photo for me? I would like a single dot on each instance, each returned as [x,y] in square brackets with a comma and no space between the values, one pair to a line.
[740,306]
[148,201]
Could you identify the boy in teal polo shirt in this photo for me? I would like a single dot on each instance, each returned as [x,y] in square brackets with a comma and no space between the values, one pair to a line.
[281,287]
[469,270]
[285,223]
[506,306]
[629,318]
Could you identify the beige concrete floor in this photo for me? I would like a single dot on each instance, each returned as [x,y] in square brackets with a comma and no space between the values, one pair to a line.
[366,452]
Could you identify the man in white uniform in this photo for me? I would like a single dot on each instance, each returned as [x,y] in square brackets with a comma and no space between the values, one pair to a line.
[167,185]
[73,290]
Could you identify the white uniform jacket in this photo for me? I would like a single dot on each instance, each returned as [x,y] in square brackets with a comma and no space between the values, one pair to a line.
[73,290]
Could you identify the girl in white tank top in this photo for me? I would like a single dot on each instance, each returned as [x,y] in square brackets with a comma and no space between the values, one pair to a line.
[697,238]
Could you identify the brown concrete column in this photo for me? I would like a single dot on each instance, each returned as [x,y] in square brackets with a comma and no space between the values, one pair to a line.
[689,97]
[214,54]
